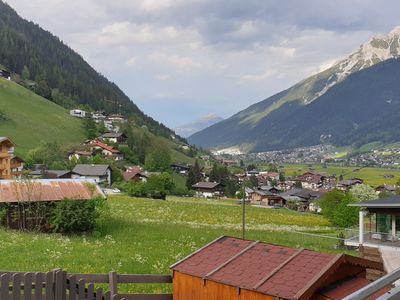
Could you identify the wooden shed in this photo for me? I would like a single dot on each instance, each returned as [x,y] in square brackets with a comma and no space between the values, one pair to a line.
[235,269]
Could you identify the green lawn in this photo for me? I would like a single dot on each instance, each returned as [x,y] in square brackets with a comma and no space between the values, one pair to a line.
[371,176]
[147,236]
[29,119]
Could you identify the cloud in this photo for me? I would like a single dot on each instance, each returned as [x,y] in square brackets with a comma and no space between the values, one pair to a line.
[223,55]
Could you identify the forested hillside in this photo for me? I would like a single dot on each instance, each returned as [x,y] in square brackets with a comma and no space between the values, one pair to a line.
[60,74]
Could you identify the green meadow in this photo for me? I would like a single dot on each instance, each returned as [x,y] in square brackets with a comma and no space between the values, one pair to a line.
[140,236]
[29,119]
[371,176]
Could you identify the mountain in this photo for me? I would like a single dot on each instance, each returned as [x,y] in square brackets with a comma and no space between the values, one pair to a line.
[187,130]
[61,74]
[349,103]
[29,119]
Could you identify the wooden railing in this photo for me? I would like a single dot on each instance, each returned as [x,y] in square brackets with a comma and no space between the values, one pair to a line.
[58,285]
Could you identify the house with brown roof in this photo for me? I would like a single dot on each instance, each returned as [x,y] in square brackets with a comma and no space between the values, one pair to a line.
[266,198]
[347,184]
[10,165]
[16,195]
[135,176]
[105,149]
[114,137]
[208,189]
[236,269]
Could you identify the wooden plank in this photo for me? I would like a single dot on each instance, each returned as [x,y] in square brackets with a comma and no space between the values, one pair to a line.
[90,292]
[81,290]
[58,285]
[4,287]
[49,286]
[107,295]
[143,297]
[38,286]
[113,283]
[16,286]
[95,278]
[28,282]
[123,278]
[72,287]
[99,294]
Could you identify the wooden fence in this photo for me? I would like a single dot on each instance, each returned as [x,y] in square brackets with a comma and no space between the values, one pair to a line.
[58,285]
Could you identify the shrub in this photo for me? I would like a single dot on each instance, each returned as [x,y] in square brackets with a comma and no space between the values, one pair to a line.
[71,216]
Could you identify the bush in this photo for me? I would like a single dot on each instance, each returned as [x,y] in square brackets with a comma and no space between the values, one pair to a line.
[70,216]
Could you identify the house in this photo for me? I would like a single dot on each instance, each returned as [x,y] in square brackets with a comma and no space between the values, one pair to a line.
[5,74]
[346,185]
[46,191]
[105,149]
[116,118]
[10,165]
[181,169]
[303,198]
[78,113]
[114,137]
[379,223]
[386,189]
[266,198]
[236,269]
[98,116]
[208,189]
[311,180]
[17,166]
[135,176]
[80,154]
[98,173]
[49,174]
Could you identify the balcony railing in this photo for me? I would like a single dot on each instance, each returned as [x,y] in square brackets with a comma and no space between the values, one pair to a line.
[373,237]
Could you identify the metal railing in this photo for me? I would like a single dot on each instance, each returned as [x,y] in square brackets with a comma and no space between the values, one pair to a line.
[377,286]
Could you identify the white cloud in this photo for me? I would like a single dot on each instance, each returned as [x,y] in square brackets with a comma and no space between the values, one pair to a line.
[183,63]
[163,77]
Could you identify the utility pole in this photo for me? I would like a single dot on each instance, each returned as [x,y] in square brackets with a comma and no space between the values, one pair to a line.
[243,211]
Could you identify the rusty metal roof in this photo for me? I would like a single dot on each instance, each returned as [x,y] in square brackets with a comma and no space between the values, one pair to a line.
[44,190]
[278,271]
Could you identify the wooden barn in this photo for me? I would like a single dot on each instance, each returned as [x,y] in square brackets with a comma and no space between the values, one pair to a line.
[236,269]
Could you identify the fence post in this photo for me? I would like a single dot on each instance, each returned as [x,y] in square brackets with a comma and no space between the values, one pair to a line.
[112,279]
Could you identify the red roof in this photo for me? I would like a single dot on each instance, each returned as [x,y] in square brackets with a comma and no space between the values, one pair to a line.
[47,190]
[348,286]
[104,146]
[265,268]
[128,175]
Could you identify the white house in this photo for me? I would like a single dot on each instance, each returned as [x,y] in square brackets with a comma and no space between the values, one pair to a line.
[77,113]
[98,173]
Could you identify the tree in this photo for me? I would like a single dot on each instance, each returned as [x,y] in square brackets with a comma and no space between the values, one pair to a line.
[194,175]
[25,75]
[362,192]
[330,202]
[282,177]
[251,167]
[298,184]
[158,161]
[253,181]
[344,215]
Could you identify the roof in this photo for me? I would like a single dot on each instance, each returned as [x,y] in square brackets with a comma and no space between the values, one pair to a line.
[350,182]
[109,135]
[128,175]
[6,139]
[279,271]
[391,202]
[341,289]
[91,170]
[264,193]
[206,185]
[55,173]
[45,190]
[105,147]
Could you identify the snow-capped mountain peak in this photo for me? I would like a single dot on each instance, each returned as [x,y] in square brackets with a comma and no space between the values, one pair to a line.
[376,50]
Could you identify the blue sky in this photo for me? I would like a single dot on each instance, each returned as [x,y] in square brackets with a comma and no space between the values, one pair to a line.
[180,60]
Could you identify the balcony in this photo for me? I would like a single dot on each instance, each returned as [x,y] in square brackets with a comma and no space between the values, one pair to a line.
[372,239]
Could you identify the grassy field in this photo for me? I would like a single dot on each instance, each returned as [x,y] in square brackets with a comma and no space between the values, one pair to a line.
[29,119]
[147,236]
[371,176]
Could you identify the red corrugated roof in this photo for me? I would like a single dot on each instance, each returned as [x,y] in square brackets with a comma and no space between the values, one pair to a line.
[47,190]
[269,269]
[105,146]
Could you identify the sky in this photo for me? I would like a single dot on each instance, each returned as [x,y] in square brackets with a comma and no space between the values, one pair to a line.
[180,60]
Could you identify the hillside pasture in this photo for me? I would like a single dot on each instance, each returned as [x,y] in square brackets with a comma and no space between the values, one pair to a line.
[371,176]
